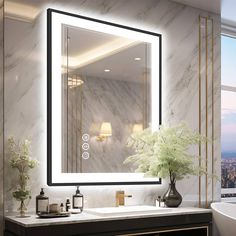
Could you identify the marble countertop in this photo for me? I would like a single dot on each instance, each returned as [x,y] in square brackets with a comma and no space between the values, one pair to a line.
[34,220]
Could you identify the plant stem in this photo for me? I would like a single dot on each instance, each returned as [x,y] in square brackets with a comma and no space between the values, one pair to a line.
[170,173]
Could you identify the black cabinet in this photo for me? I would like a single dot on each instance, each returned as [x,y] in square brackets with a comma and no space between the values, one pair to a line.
[172,225]
[183,231]
[187,232]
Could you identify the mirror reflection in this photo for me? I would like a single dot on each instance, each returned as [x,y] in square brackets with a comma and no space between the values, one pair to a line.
[104,83]
[106,96]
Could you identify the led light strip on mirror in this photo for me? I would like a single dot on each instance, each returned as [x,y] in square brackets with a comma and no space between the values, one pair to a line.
[55,21]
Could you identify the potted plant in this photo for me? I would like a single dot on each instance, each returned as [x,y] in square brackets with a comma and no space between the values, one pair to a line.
[165,153]
[22,161]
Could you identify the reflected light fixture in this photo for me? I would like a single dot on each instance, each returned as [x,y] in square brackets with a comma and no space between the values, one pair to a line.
[107,70]
[74,82]
[105,131]
[103,51]
[137,58]
[137,128]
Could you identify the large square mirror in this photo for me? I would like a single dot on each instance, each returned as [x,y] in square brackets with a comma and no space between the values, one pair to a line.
[104,83]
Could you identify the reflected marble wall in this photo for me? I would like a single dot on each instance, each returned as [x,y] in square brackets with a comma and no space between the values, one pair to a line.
[25,85]
[118,102]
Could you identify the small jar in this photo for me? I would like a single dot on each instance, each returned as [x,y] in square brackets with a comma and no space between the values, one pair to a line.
[62,207]
[54,208]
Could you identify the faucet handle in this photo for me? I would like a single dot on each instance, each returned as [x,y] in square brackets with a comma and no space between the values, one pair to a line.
[120,197]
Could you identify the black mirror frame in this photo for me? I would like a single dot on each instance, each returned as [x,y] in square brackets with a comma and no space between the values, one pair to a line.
[49,98]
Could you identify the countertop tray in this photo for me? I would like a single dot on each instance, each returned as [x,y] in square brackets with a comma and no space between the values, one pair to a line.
[54,215]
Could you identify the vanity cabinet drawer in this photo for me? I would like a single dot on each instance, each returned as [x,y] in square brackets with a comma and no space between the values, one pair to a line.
[193,231]
[203,231]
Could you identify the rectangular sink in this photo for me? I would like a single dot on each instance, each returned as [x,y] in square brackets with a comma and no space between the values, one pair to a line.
[124,210]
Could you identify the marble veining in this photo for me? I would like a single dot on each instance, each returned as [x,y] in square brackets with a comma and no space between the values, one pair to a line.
[25,86]
[34,220]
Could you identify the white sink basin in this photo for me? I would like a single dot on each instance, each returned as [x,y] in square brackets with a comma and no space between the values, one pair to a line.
[117,211]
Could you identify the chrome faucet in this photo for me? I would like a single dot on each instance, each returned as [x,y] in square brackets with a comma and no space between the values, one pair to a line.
[120,198]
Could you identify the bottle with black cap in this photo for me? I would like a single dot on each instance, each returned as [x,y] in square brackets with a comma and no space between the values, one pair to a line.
[68,205]
[78,200]
[42,203]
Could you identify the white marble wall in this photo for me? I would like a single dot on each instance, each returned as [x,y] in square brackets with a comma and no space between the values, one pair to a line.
[25,85]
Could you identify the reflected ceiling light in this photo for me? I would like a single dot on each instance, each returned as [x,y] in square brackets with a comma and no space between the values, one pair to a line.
[105,131]
[74,82]
[21,12]
[137,58]
[107,70]
[100,52]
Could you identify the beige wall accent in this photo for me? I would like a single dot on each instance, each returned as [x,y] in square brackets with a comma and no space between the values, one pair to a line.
[206,108]
[25,89]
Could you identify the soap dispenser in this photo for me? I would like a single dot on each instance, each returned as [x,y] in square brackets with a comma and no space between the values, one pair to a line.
[78,200]
[42,203]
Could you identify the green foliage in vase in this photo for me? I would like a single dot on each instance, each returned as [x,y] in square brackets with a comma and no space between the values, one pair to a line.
[22,161]
[165,153]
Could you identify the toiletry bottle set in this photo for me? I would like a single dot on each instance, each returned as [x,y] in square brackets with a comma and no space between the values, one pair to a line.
[160,202]
[68,206]
[62,207]
[78,200]
[43,207]
[42,203]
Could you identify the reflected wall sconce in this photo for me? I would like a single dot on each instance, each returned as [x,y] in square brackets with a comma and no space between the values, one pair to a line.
[105,131]
[74,82]
[137,128]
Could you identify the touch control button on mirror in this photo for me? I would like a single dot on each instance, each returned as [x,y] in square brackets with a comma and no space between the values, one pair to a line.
[85,155]
[85,146]
[85,137]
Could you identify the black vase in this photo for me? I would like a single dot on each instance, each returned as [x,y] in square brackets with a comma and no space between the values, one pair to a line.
[172,197]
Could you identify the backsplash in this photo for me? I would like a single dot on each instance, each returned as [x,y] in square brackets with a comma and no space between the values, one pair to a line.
[25,88]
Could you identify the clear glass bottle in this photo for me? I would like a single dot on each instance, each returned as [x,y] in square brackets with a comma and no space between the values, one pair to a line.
[78,200]
[42,203]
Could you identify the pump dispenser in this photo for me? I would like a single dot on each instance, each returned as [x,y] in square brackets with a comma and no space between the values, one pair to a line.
[68,205]
[42,202]
[78,200]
